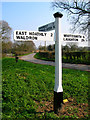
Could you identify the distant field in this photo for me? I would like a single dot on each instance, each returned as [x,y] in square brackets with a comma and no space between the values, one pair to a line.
[28,91]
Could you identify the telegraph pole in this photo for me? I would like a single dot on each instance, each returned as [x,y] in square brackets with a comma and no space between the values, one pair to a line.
[58,90]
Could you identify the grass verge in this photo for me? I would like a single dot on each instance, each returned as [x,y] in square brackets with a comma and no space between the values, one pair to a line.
[28,91]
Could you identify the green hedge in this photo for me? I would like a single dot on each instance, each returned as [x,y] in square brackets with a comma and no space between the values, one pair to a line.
[76,55]
[67,57]
[46,55]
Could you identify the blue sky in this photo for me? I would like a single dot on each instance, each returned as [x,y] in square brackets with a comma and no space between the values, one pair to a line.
[31,15]
[28,15]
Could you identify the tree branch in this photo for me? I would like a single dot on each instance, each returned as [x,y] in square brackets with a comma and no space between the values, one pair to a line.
[78,9]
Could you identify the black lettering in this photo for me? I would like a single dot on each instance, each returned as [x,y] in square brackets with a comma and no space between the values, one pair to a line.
[20,33]
[42,34]
[45,34]
[51,34]
[16,32]
[31,38]
[35,38]
[25,33]
[22,37]
[70,39]
[82,40]
[65,35]
[18,37]
[30,33]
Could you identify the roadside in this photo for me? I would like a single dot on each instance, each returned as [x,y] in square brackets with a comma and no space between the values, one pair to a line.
[30,58]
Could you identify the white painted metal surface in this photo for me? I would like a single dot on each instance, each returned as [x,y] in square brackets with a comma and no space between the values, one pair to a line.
[58,57]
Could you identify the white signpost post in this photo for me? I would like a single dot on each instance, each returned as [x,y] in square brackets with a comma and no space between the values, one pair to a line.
[58,90]
[22,35]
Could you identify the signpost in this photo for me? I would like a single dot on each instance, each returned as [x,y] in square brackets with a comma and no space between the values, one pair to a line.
[22,35]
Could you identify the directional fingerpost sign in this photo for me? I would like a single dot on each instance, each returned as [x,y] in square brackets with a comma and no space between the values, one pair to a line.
[64,37]
[42,35]
[73,38]
[22,35]
[47,27]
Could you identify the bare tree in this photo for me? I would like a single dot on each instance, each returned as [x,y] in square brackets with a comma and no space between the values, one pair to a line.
[78,12]
[5,31]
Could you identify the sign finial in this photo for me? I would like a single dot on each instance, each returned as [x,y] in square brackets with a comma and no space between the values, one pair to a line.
[58,14]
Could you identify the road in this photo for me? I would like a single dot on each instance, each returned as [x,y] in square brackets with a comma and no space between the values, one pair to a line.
[30,58]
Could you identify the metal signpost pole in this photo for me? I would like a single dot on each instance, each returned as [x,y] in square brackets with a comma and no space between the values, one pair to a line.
[58,90]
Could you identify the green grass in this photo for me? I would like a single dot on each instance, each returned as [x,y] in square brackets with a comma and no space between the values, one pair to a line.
[22,54]
[25,54]
[25,83]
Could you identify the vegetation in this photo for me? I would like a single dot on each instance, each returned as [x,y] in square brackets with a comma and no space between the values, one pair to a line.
[5,31]
[69,47]
[67,57]
[27,90]
[50,56]
[76,57]
[71,53]
[78,12]
[17,48]
[21,48]
[9,47]
[47,48]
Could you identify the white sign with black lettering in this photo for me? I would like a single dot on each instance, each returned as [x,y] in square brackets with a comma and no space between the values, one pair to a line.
[23,35]
[73,38]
